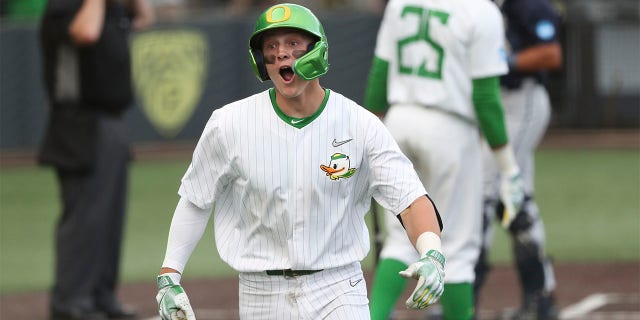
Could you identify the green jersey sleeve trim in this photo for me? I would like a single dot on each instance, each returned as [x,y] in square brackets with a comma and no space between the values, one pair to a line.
[375,98]
[488,105]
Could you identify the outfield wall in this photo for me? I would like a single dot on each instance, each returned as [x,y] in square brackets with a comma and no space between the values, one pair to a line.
[182,71]
[185,69]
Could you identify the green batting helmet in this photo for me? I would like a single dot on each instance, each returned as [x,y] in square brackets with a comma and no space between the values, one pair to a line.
[312,64]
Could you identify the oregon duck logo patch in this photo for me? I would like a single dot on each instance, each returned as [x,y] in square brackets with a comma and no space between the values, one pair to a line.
[339,167]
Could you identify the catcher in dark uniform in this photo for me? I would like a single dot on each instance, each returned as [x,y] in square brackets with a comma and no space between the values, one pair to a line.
[533,49]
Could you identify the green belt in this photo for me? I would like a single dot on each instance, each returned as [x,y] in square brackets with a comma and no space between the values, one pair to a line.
[288,273]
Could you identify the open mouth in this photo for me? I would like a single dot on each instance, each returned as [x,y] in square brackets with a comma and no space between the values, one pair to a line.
[286,73]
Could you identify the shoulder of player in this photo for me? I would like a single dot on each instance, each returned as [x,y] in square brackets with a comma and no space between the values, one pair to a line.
[337,100]
[345,108]
[531,15]
[226,114]
[244,103]
[530,10]
[473,12]
[483,7]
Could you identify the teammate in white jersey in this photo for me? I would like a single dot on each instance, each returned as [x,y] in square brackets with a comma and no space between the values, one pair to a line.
[434,78]
[291,172]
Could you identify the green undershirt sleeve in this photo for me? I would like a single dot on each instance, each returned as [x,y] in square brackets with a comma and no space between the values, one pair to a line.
[488,105]
[375,98]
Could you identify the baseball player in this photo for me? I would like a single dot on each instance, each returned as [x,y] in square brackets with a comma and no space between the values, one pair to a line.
[291,172]
[434,78]
[531,32]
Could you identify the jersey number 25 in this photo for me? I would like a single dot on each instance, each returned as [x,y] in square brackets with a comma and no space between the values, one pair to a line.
[426,17]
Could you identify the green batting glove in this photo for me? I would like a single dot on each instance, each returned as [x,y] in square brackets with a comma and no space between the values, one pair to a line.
[173,303]
[429,272]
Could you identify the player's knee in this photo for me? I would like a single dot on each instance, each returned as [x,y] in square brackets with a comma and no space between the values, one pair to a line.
[525,218]
[526,249]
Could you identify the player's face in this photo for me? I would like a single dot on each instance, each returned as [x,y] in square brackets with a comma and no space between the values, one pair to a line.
[281,47]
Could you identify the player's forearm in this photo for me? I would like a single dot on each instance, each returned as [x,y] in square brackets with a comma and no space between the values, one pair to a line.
[144,14]
[419,218]
[489,110]
[168,270]
[546,56]
[187,227]
[506,159]
[86,26]
[375,98]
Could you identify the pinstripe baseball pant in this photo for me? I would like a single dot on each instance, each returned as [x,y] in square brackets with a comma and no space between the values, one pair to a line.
[336,294]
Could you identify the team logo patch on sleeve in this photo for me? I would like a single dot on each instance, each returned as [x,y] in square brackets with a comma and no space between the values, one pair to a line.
[545,30]
[339,167]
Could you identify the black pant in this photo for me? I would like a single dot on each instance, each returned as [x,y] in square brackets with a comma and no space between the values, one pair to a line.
[89,233]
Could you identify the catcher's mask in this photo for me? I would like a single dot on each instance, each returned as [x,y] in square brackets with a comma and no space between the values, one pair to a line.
[312,64]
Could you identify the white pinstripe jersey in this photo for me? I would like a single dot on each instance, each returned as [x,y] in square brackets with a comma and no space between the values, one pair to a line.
[434,49]
[281,200]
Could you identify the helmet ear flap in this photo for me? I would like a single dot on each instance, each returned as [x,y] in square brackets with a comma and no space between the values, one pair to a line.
[259,67]
[314,63]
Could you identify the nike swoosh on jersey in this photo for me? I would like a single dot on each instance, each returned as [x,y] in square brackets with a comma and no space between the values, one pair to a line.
[295,121]
[336,143]
[354,283]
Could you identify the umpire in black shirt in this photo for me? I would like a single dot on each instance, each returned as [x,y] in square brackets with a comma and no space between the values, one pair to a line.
[88,80]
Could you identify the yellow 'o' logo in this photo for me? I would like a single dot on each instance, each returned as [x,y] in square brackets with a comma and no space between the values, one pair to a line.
[278,14]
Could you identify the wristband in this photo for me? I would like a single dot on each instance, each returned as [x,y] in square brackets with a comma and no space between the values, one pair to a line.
[506,159]
[173,277]
[428,241]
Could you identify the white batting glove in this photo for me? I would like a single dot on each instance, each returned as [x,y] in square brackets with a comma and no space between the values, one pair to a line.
[512,196]
[429,272]
[511,185]
[173,303]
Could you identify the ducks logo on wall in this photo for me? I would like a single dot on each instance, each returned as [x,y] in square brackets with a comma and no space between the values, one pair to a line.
[338,167]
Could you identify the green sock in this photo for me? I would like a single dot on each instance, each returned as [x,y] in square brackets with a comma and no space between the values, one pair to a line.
[388,286]
[457,301]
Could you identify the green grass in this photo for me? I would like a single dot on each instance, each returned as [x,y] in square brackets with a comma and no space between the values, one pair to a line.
[590,202]
[28,211]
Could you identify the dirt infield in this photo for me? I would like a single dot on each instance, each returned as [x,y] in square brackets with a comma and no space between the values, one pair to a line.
[594,139]
[585,291]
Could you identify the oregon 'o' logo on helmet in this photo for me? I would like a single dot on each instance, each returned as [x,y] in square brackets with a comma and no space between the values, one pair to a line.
[283,13]
[311,65]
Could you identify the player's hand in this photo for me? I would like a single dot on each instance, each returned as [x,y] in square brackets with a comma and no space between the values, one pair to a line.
[173,303]
[512,196]
[429,272]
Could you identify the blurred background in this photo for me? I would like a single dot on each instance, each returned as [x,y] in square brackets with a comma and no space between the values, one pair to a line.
[195,59]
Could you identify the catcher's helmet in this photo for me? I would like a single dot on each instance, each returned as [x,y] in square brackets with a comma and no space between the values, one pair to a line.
[311,65]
